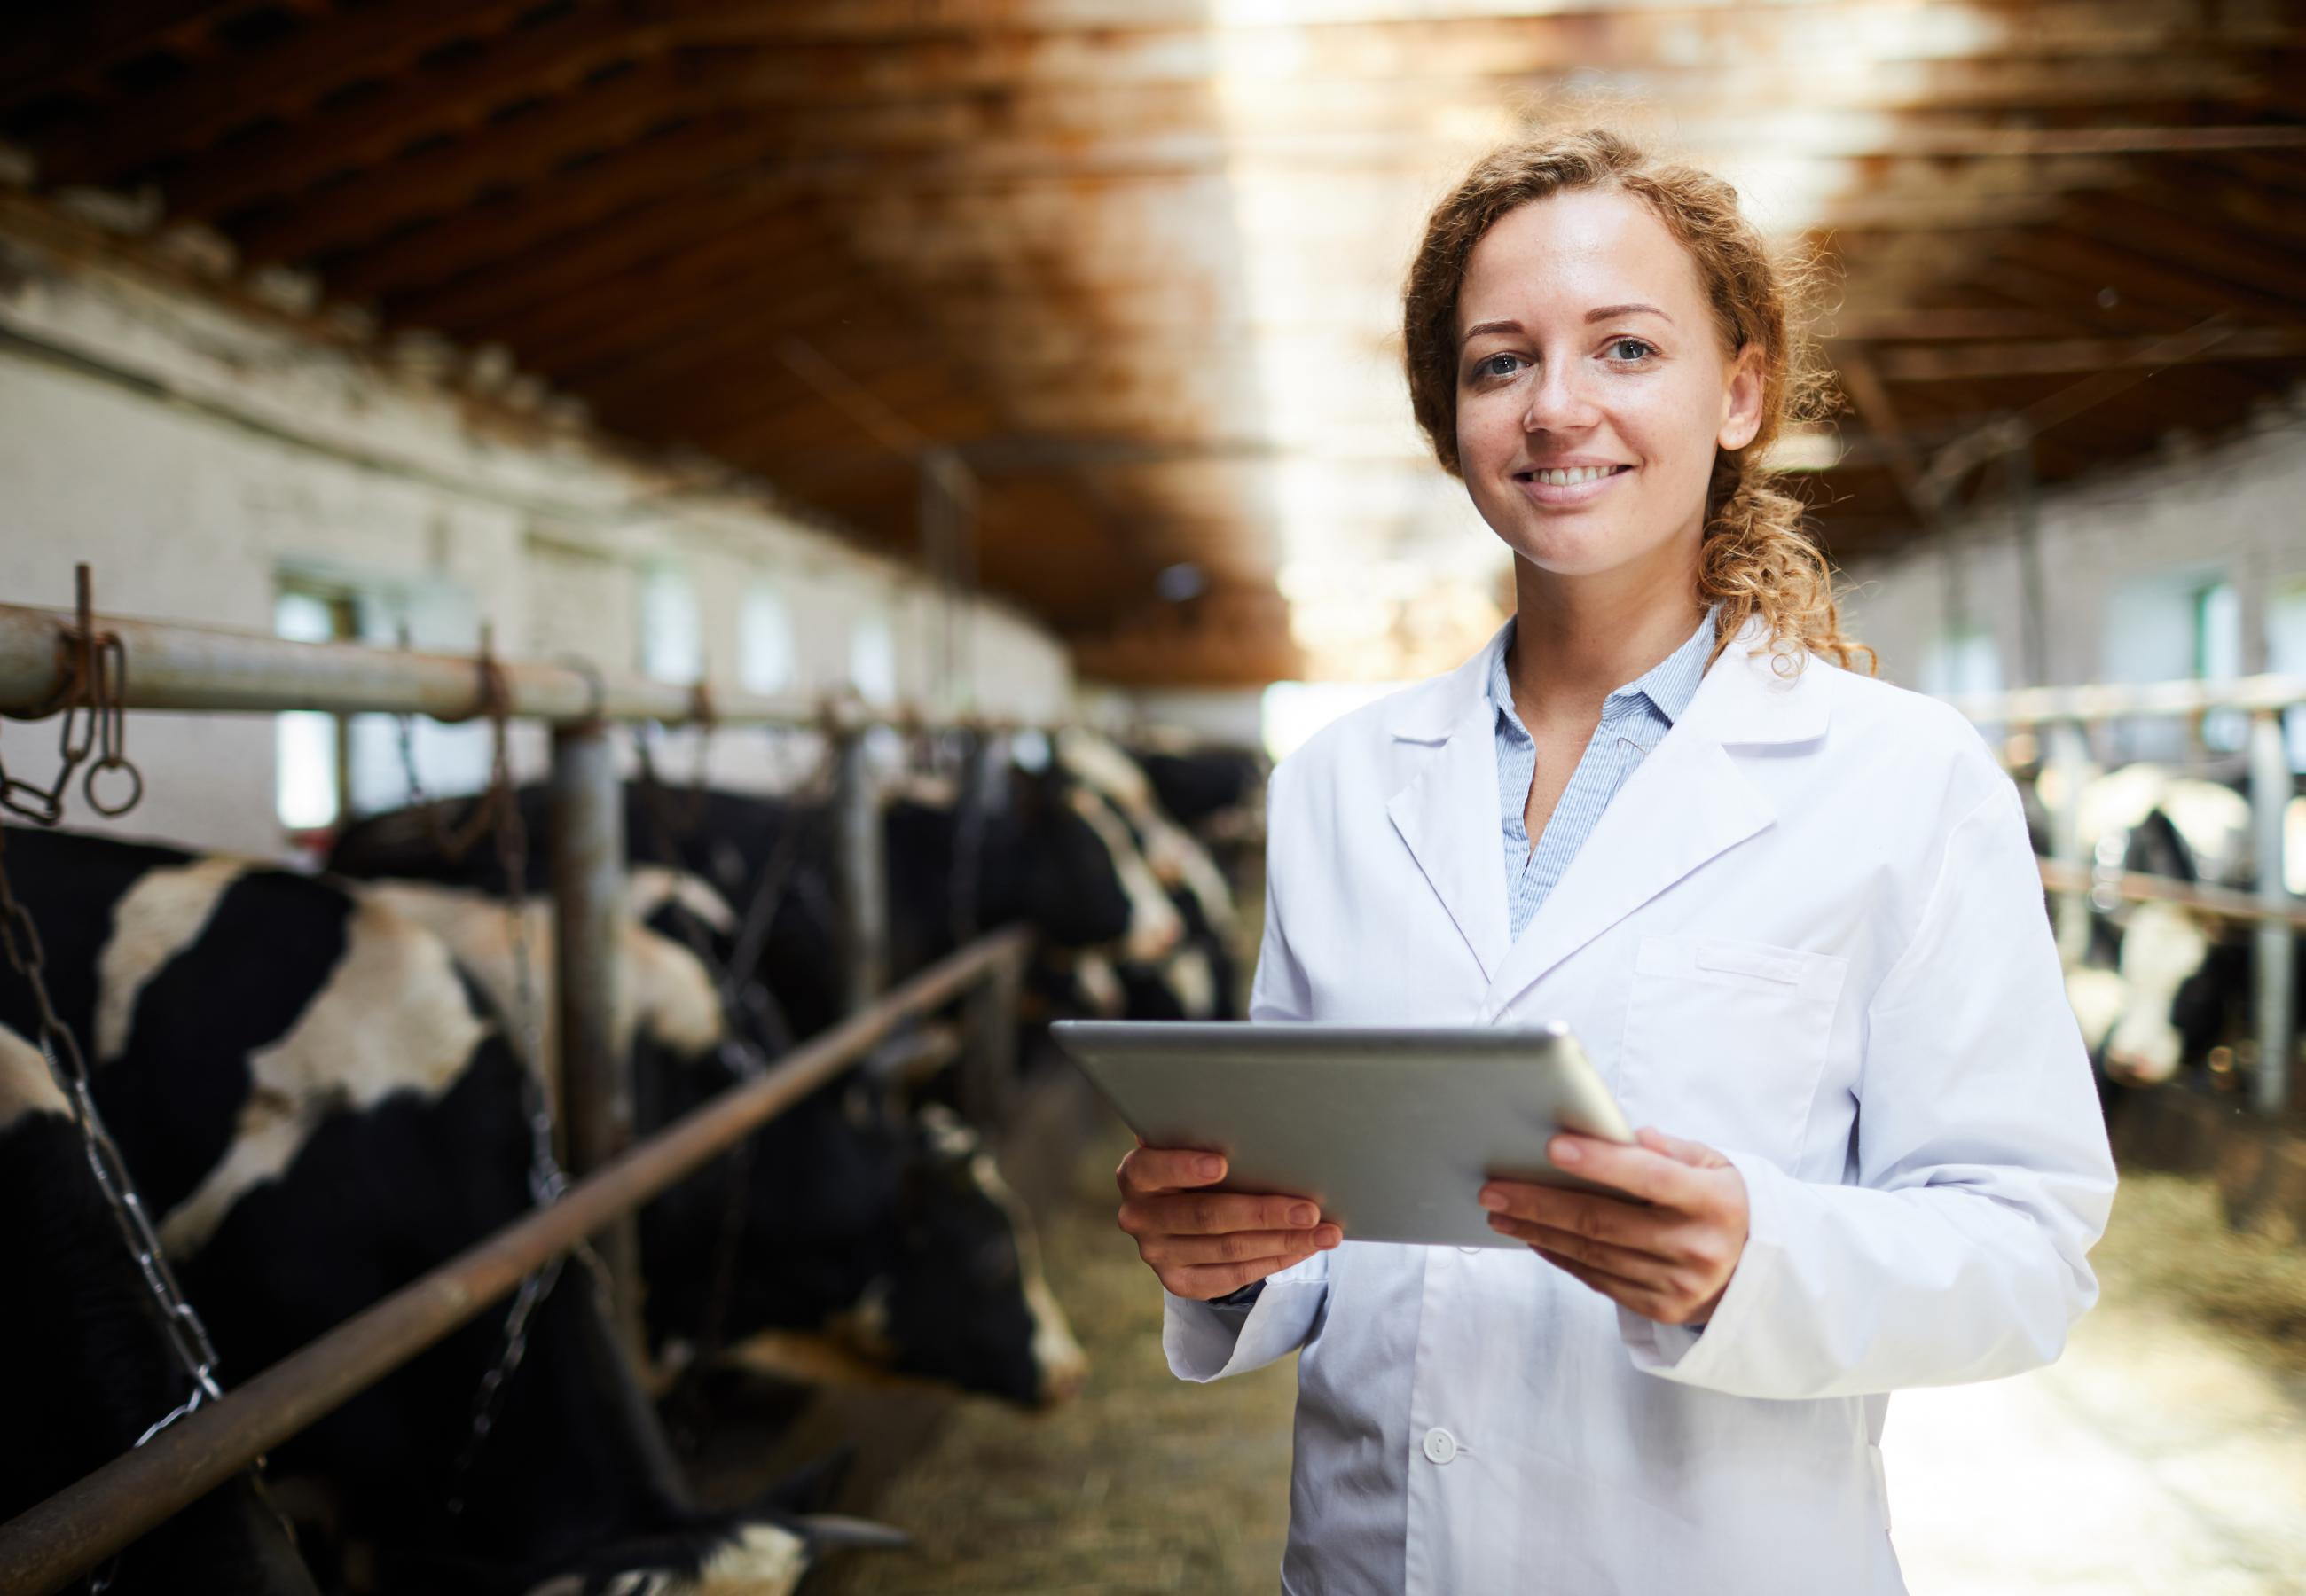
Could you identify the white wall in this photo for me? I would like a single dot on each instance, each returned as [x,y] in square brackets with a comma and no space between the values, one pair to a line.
[194,451]
[2119,554]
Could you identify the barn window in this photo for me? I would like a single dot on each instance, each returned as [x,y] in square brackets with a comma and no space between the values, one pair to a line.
[672,637]
[310,773]
[765,654]
[2172,626]
[2285,655]
[873,660]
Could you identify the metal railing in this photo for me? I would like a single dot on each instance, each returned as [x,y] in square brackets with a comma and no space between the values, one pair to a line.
[172,666]
[2063,715]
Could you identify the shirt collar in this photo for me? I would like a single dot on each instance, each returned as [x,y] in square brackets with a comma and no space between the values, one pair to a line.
[1669,685]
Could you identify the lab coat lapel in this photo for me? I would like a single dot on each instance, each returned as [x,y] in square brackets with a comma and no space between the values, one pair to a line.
[1686,803]
[1448,812]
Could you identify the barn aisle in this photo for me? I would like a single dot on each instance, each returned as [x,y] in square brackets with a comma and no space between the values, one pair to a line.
[1142,1484]
[2166,1451]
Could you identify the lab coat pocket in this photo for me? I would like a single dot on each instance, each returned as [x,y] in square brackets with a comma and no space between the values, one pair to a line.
[1726,1040]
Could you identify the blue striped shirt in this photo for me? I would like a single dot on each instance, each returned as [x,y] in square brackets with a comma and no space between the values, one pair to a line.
[1633,719]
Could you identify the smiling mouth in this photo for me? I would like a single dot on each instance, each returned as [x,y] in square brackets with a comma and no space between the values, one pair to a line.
[1570,476]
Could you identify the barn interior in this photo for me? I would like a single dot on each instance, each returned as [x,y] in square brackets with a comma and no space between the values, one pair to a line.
[851,398]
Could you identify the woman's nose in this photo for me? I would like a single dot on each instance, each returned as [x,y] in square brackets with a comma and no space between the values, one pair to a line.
[1557,399]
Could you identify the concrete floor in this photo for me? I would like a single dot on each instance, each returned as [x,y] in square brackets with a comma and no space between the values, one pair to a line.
[2165,1452]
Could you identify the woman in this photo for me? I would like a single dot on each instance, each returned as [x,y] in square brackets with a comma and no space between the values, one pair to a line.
[1791,911]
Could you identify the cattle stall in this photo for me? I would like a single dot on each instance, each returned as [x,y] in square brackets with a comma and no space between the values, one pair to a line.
[2051,730]
[100,666]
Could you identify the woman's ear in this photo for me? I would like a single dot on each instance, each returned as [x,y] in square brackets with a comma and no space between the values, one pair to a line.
[1741,400]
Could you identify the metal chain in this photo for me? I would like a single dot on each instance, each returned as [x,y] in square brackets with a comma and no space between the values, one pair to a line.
[497,810]
[92,670]
[188,1337]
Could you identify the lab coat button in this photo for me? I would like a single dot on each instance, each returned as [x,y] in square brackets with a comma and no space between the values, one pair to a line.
[1441,1445]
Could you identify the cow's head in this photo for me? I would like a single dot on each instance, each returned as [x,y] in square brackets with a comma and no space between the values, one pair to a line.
[1058,858]
[965,1301]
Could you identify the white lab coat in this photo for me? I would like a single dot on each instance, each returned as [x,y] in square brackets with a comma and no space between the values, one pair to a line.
[1807,932]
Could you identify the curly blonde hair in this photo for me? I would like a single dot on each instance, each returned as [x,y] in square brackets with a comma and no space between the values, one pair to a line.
[1753,557]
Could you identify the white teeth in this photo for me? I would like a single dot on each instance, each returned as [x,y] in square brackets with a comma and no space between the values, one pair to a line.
[1577,473]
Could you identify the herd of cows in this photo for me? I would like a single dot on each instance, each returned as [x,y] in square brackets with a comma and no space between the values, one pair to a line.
[319,1084]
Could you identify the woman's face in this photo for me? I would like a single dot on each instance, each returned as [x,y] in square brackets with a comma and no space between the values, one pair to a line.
[1585,340]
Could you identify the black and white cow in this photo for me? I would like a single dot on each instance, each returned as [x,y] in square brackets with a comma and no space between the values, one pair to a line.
[1052,855]
[1196,980]
[95,1370]
[2160,985]
[886,1229]
[321,1107]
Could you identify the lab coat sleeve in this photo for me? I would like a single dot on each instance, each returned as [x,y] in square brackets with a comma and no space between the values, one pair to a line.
[1983,1173]
[1204,1342]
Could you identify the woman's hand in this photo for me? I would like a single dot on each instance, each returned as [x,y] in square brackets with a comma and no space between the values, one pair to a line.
[1668,1256]
[1204,1244]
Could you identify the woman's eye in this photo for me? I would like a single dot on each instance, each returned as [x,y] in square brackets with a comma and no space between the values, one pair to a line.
[1618,345]
[1498,365]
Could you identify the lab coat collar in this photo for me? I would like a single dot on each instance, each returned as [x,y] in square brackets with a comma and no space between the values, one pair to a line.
[1685,804]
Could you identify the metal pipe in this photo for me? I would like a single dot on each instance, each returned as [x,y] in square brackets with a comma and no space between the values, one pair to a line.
[2069,757]
[588,898]
[2034,707]
[988,1077]
[2270,789]
[84,1524]
[173,666]
[2220,902]
[862,876]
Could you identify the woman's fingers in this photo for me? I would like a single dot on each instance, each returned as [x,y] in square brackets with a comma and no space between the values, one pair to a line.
[1146,1170]
[1215,1213]
[1631,1294]
[1200,1282]
[1240,1246]
[1645,1269]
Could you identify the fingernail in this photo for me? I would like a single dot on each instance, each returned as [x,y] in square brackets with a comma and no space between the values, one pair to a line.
[1304,1213]
[1494,1202]
[1327,1236]
[1210,1168]
[1566,1150]
[1498,1221]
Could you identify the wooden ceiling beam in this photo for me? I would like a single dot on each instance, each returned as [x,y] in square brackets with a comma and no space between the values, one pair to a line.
[702,159]
[445,176]
[2131,272]
[52,45]
[285,78]
[2192,239]
[584,326]
[549,59]
[2050,356]
[626,247]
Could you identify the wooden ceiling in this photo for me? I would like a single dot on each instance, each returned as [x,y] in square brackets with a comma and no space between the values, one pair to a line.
[1135,261]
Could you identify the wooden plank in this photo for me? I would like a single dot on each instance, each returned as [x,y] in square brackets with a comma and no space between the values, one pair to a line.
[2192,238]
[587,325]
[552,58]
[49,46]
[661,169]
[611,257]
[448,176]
[2132,273]
[1909,364]
[285,78]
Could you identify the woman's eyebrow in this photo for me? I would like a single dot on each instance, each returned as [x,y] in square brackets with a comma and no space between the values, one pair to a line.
[1599,313]
[1603,312]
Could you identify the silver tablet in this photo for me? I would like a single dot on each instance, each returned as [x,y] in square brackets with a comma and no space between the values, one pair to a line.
[1392,1131]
